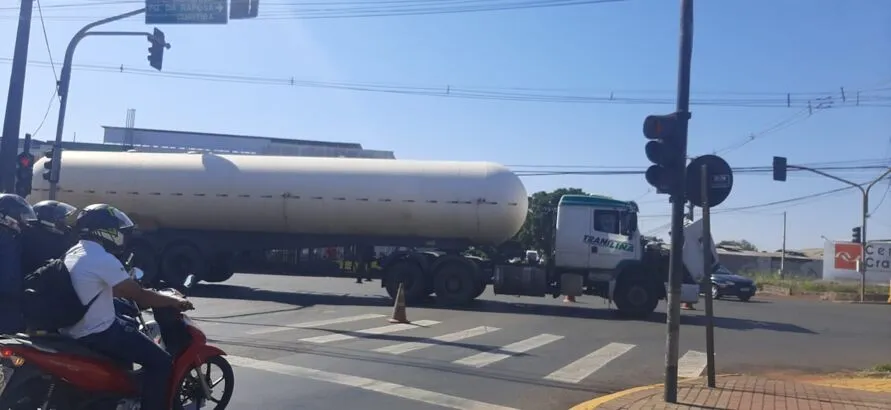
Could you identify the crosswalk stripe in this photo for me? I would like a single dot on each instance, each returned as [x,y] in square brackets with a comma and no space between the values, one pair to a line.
[584,367]
[406,347]
[379,386]
[373,331]
[486,358]
[692,364]
[317,323]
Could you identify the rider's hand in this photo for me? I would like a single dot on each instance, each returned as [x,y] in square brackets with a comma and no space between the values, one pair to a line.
[183,304]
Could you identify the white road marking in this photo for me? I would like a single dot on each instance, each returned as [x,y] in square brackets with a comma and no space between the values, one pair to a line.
[401,348]
[373,331]
[692,364]
[379,386]
[584,367]
[317,323]
[486,358]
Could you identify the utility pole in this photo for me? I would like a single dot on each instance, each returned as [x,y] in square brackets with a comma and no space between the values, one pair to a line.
[679,195]
[780,166]
[783,256]
[12,121]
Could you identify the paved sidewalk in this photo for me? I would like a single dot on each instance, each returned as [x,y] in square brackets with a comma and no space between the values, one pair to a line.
[737,392]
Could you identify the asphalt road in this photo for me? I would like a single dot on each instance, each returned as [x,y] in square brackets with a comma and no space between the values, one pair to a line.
[310,343]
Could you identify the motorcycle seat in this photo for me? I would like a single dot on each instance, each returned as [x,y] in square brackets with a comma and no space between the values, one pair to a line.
[61,343]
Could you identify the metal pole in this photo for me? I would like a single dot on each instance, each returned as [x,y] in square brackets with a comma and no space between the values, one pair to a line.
[783,256]
[676,268]
[863,232]
[65,82]
[864,215]
[12,121]
[707,265]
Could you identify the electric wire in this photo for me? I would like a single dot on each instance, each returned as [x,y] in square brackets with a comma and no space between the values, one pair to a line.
[492,94]
[49,52]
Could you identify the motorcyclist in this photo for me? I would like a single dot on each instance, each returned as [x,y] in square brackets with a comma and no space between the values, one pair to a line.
[15,215]
[96,271]
[50,237]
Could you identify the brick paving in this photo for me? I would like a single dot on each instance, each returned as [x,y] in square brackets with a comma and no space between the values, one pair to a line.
[753,393]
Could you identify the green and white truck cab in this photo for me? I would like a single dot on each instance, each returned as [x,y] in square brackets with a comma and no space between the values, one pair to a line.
[597,250]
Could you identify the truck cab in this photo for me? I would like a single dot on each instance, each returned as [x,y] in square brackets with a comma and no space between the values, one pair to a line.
[597,250]
[595,235]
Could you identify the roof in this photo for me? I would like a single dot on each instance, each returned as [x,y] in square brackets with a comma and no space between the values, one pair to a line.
[595,200]
[352,145]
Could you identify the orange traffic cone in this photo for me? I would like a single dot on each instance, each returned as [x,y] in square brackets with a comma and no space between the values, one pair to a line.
[569,299]
[399,315]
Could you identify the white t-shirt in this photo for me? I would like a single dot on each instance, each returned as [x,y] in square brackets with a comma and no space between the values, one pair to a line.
[93,271]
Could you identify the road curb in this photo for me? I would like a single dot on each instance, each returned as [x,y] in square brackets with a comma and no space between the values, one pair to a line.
[595,403]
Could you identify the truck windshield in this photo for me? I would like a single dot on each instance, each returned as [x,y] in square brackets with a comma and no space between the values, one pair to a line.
[629,223]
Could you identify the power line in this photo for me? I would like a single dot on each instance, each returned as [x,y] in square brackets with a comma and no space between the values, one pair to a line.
[294,10]
[448,91]
[49,52]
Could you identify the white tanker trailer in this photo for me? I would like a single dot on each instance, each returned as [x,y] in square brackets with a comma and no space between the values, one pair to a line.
[196,212]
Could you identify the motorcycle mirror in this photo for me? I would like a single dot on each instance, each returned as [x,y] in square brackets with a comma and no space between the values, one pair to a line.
[138,273]
[190,280]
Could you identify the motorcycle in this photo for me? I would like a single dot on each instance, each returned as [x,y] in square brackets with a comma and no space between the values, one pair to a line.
[53,372]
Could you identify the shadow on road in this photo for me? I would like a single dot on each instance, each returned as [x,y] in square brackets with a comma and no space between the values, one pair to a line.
[223,291]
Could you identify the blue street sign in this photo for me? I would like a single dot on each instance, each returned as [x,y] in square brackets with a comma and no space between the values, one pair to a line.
[186,12]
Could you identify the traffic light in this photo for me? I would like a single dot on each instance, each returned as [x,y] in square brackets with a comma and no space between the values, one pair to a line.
[24,174]
[779,168]
[665,151]
[48,167]
[156,50]
[243,9]
[855,234]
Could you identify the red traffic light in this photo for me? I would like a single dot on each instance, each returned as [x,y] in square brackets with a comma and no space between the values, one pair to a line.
[657,127]
[25,160]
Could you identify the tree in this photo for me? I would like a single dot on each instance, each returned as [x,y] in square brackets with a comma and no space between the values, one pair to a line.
[538,230]
[741,244]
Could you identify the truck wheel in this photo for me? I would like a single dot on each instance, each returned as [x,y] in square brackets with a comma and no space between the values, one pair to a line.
[180,261]
[220,268]
[455,284]
[635,296]
[412,276]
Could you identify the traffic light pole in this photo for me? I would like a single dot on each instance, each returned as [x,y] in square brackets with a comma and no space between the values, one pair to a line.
[678,199]
[864,214]
[12,121]
[65,82]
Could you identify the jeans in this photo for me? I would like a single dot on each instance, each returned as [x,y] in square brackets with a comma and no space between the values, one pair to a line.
[123,341]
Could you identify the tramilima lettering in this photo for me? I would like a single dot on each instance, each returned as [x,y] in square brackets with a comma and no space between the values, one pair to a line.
[609,243]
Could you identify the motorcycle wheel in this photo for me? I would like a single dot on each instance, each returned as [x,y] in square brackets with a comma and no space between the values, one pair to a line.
[190,387]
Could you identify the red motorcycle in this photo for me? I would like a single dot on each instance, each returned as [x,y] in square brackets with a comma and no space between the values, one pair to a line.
[53,372]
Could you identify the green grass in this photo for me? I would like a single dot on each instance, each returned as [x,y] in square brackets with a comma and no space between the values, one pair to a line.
[881,368]
[816,286]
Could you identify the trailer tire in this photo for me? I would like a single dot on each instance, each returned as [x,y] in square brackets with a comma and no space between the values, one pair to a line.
[636,296]
[412,276]
[221,268]
[455,284]
[181,260]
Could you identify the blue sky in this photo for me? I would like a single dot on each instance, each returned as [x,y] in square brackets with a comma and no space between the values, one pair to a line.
[810,48]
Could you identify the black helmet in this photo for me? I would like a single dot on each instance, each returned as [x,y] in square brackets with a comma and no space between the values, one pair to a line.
[15,212]
[104,224]
[52,215]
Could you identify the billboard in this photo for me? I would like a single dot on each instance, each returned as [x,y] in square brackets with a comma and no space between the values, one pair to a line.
[840,261]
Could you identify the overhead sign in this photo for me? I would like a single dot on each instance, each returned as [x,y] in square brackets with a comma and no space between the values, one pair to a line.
[186,11]
[720,180]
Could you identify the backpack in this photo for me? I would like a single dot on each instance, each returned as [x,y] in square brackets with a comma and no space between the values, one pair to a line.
[50,301]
